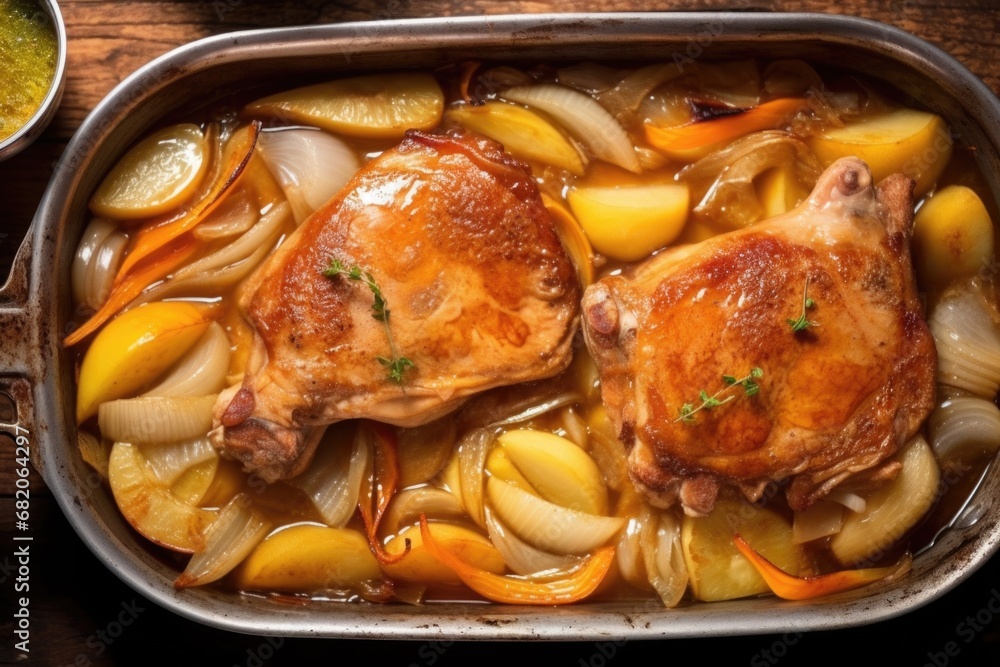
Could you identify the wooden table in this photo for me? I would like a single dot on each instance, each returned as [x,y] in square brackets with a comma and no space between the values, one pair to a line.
[83,615]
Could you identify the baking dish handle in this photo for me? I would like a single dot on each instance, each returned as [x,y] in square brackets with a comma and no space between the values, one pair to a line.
[18,338]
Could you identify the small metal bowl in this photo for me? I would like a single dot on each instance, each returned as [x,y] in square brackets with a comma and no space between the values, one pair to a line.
[15,143]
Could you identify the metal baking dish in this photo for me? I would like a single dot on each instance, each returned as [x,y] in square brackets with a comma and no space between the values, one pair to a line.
[35,312]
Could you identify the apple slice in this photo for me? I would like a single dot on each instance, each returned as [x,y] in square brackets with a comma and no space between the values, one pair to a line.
[629,222]
[150,507]
[134,349]
[378,106]
[915,143]
[307,558]
[522,132]
[156,175]
[952,236]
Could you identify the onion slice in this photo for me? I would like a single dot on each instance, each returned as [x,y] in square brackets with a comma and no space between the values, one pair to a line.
[968,341]
[96,262]
[201,371]
[310,165]
[473,450]
[156,418]
[94,451]
[547,525]
[664,558]
[965,428]
[229,265]
[228,540]
[520,556]
[585,119]
[409,504]
[823,519]
[170,460]
[333,479]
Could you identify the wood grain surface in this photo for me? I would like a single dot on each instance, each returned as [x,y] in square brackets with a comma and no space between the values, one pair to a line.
[81,614]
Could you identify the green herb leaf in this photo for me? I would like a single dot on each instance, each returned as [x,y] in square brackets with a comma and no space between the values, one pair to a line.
[802,322]
[750,388]
[396,364]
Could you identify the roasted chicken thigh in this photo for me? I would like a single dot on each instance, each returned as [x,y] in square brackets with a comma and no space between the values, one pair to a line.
[816,309]
[477,290]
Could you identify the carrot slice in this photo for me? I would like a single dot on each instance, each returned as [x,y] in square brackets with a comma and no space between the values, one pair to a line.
[149,238]
[576,585]
[154,267]
[384,482]
[766,116]
[790,587]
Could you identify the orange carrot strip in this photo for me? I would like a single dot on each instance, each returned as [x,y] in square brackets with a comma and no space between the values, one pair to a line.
[384,481]
[575,586]
[156,236]
[766,116]
[468,69]
[790,587]
[155,267]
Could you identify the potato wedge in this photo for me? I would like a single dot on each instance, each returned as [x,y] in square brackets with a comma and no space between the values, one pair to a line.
[915,143]
[308,558]
[717,569]
[629,222]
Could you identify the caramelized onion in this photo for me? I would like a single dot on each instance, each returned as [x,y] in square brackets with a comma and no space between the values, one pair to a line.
[95,451]
[968,341]
[722,182]
[407,506]
[235,215]
[664,558]
[333,479]
[628,551]
[311,165]
[965,428]
[96,262]
[521,557]
[156,418]
[237,529]
[472,452]
[224,268]
[585,119]
[201,371]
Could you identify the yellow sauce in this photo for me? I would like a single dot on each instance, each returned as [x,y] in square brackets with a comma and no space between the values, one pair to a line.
[28,53]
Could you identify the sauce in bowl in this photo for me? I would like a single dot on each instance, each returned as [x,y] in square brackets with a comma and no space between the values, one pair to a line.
[28,59]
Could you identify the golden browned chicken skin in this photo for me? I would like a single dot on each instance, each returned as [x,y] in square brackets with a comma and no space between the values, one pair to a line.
[479,290]
[836,398]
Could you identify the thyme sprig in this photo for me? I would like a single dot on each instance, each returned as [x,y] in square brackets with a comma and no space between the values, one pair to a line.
[803,322]
[395,365]
[747,382]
